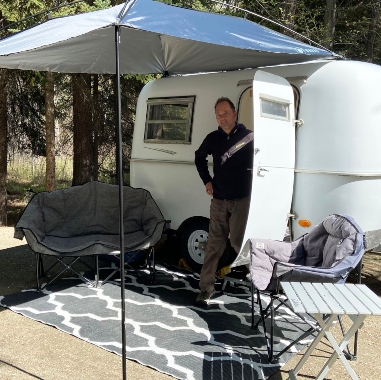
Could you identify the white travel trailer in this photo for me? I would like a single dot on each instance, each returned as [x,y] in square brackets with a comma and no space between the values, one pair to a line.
[317,136]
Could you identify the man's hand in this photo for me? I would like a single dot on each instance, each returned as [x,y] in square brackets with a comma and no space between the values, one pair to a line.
[209,188]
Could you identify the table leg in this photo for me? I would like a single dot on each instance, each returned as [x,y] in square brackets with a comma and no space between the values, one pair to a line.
[338,348]
[318,338]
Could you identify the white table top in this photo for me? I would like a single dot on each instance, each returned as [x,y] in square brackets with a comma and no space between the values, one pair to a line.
[326,298]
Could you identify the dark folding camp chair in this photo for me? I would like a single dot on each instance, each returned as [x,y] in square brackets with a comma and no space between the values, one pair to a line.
[69,224]
[326,254]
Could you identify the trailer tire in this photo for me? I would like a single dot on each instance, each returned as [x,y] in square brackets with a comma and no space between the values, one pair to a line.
[194,236]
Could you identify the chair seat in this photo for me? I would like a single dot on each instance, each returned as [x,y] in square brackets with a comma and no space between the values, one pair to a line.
[106,243]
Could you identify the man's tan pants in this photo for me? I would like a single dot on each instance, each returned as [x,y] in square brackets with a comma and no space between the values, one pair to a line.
[225,217]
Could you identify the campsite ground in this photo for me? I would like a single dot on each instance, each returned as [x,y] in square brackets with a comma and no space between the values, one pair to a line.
[32,350]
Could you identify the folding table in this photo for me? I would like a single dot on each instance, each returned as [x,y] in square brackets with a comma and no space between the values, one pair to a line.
[333,300]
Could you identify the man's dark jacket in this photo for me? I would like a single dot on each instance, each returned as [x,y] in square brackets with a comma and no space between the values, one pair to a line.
[232,180]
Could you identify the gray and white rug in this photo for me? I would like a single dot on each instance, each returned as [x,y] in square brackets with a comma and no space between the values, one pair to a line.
[165,330]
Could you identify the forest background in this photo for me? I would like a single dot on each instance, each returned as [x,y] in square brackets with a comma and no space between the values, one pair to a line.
[58,130]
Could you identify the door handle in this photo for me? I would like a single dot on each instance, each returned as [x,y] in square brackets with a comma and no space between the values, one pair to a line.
[260,170]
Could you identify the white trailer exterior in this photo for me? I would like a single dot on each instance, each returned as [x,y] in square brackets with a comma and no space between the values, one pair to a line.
[317,133]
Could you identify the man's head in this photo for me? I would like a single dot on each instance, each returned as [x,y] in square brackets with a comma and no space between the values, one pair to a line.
[225,114]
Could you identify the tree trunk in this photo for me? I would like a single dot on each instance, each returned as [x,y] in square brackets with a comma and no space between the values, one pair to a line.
[3,147]
[96,126]
[330,23]
[50,132]
[82,129]
[289,16]
[375,17]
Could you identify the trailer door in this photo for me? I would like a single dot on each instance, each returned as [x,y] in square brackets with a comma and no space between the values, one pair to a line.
[274,157]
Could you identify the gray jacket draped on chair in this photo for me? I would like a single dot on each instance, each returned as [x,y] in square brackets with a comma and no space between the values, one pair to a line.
[332,244]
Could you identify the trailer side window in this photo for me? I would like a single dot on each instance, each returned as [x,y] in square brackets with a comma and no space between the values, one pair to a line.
[274,108]
[169,120]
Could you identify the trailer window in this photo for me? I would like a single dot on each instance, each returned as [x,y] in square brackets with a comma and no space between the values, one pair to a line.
[169,120]
[275,108]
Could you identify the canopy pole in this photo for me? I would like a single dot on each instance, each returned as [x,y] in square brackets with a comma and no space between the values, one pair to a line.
[121,206]
[125,9]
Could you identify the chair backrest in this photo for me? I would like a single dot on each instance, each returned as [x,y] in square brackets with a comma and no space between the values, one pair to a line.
[326,254]
[332,249]
[331,241]
[92,208]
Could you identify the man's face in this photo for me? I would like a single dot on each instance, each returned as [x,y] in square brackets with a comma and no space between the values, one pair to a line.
[225,116]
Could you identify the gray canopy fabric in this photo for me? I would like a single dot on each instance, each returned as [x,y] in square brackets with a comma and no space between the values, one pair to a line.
[154,38]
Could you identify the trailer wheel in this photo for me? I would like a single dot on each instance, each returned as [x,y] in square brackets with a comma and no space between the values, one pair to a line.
[194,237]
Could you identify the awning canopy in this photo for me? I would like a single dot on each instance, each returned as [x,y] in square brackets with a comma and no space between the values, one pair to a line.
[154,38]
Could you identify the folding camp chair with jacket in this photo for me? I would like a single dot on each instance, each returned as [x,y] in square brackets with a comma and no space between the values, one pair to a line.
[326,254]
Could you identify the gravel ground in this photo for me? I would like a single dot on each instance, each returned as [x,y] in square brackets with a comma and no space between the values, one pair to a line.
[31,350]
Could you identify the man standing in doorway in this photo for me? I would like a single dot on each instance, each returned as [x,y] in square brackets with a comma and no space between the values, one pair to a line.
[231,147]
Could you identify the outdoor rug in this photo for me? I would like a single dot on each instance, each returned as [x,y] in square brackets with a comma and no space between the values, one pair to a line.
[165,330]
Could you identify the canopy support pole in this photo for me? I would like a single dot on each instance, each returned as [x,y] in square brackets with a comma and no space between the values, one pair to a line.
[121,206]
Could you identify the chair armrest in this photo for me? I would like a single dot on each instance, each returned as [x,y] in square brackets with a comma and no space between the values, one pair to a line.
[152,220]
[31,219]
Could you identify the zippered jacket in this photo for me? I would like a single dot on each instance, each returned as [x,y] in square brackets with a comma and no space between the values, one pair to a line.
[232,179]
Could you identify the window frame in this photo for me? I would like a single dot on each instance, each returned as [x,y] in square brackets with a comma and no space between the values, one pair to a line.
[173,100]
[272,99]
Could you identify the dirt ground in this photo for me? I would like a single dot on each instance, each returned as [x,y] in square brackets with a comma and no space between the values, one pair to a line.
[31,350]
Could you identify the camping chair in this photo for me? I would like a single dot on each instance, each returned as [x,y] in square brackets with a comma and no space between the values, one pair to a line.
[326,254]
[70,224]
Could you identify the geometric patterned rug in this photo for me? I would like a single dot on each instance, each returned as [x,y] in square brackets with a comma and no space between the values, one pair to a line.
[165,329]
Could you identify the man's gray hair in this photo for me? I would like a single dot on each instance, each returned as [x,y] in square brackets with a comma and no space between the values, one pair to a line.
[224,99]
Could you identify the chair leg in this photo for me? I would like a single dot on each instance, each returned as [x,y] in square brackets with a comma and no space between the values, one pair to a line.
[267,311]
[224,282]
[96,264]
[272,320]
[348,352]
[253,302]
[354,356]
[270,312]
[39,270]
[151,263]
[68,267]
[296,341]
[252,305]
[152,269]
[269,342]
[359,269]
[110,275]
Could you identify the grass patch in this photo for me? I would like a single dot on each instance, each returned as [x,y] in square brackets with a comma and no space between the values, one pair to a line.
[27,173]
[26,176]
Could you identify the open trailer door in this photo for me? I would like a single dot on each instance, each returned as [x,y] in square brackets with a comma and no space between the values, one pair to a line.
[274,159]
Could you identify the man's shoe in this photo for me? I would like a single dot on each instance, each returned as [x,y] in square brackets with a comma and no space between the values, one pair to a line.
[204,297]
